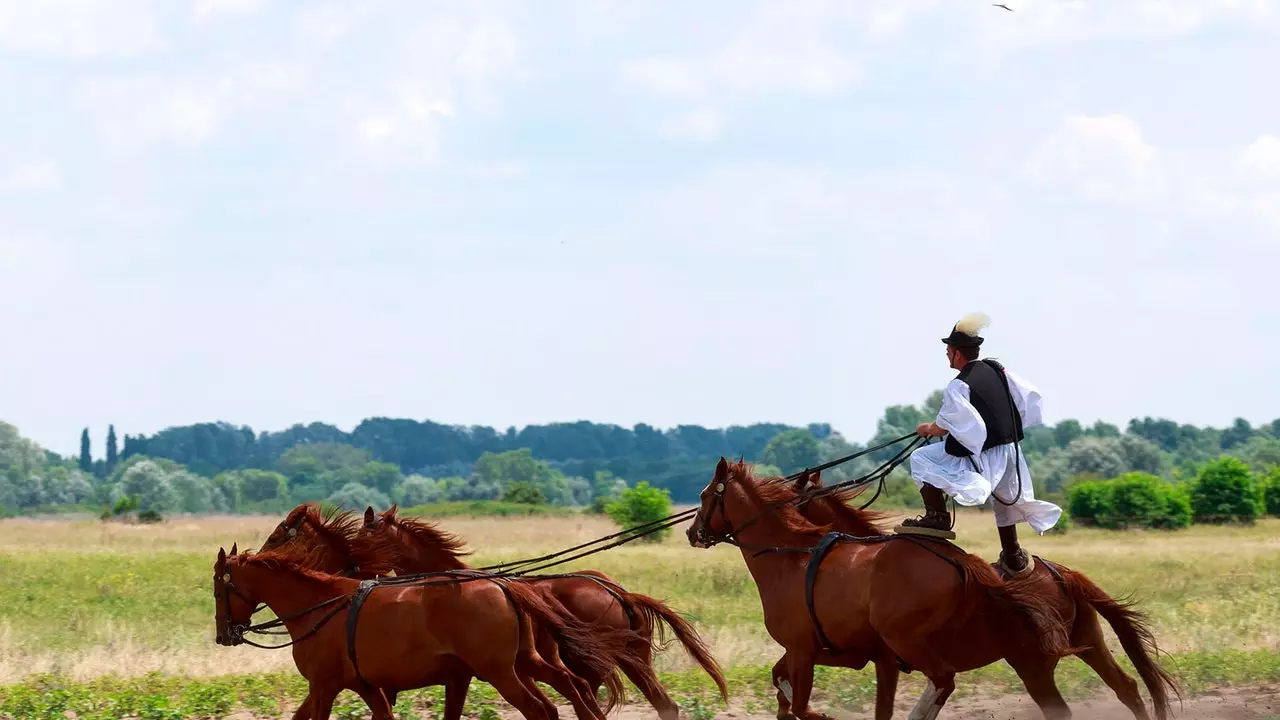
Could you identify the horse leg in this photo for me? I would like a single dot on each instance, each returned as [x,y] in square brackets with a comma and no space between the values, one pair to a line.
[304,710]
[1097,656]
[565,683]
[639,670]
[1037,678]
[548,706]
[800,668]
[455,696]
[782,682]
[941,676]
[322,698]
[886,686]
[377,702]
[517,695]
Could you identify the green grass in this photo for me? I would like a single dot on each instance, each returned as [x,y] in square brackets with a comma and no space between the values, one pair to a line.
[88,601]
[276,695]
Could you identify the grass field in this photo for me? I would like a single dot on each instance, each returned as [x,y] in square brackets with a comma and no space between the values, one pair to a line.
[108,604]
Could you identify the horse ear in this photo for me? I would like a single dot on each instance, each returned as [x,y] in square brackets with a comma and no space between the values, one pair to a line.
[222,555]
[394,507]
[233,548]
[722,468]
[368,515]
[816,479]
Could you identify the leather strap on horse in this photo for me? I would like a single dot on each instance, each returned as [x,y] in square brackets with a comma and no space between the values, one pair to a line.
[819,552]
[353,617]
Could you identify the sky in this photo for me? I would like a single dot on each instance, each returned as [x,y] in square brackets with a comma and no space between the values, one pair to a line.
[724,212]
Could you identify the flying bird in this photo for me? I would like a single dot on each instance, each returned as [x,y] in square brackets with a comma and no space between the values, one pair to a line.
[1002,5]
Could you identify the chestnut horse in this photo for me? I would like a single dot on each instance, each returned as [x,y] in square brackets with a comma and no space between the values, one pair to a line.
[333,545]
[902,599]
[593,597]
[410,636]
[1078,600]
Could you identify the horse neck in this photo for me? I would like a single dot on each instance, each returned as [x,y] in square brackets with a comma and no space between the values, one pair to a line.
[761,526]
[288,592]
[419,557]
[822,511]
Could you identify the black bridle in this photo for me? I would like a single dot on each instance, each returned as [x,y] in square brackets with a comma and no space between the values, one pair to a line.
[236,631]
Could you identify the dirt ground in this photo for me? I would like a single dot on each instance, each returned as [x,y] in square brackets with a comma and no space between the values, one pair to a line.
[1245,703]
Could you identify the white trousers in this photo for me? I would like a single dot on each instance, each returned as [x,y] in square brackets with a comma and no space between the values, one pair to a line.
[997,472]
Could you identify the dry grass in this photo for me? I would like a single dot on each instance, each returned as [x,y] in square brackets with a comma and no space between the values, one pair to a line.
[86,598]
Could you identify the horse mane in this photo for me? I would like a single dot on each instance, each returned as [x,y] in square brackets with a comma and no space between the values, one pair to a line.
[771,493]
[839,503]
[338,532]
[429,536]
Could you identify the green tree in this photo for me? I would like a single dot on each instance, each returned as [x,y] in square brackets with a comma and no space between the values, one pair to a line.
[86,457]
[262,485]
[383,477]
[149,482]
[1144,500]
[112,456]
[1226,491]
[793,449]
[640,505]
[524,493]
[1271,491]
[354,496]
[418,490]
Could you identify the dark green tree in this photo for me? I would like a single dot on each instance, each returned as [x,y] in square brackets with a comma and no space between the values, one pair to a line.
[112,456]
[86,457]
[792,450]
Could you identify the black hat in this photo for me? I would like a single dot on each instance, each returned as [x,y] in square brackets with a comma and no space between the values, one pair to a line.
[964,333]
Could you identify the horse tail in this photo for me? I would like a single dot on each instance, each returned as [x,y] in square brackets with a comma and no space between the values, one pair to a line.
[587,651]
[1130,627]
[1019,599]
[654,613]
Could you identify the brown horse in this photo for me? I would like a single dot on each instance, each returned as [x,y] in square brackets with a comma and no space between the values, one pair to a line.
[333,544]
[900,600]
[591,596]
[1078,599]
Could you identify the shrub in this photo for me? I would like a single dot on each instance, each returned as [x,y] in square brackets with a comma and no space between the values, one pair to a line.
[1271,491]
[1090,500]
[524,493]
[1225,491]
[639,505]
[1131,500]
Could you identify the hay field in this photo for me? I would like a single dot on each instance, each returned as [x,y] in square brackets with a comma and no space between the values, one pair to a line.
[84,599]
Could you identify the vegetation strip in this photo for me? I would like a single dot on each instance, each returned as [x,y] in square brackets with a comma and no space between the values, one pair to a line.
[276,695]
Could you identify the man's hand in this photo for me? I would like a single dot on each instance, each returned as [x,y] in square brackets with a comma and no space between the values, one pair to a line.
[929,430]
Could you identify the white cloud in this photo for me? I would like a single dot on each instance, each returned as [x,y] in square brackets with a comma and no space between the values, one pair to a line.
[1262,157]
[701,124]
[207,9]
[42,175]
[664,76]
[444,66]
[187,111]
[79,28]
[1105,156]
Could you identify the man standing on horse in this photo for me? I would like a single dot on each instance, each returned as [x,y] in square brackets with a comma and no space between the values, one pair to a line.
[984,410]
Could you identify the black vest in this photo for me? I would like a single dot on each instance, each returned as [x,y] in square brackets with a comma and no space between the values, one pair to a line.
[990,396]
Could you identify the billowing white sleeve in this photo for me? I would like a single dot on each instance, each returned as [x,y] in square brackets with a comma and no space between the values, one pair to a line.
[1026,397]
[960,418]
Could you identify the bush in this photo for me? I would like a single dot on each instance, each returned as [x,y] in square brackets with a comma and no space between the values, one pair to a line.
[1131,500]
[524,493]
[1271,492]
[639,505]
[1090,500]
[1225,491]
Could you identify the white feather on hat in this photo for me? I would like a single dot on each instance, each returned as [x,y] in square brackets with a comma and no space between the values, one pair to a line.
[973,322]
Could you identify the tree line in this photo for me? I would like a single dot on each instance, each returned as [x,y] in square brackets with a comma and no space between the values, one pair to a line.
[221,467]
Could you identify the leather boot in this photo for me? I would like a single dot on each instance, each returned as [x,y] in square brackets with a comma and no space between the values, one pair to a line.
[1013,559]
[936,521]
